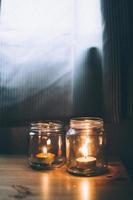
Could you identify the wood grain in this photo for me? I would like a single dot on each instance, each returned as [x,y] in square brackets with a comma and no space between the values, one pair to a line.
[19,181]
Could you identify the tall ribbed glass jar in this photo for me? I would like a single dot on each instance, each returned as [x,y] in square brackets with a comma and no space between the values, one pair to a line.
[46,145]
[86,147]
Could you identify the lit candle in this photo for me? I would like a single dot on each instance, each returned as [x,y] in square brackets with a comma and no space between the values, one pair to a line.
[86,162]
[45,157]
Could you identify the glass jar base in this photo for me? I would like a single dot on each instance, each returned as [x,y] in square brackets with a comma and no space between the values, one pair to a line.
[58,163]
[87,172]
[44,166]
[40,166]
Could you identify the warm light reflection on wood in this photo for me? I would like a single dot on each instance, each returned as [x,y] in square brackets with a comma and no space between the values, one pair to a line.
[85,190]
[45,189]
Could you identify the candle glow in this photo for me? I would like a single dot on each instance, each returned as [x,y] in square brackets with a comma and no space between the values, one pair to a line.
[86,161]
[84,149]
[44,150]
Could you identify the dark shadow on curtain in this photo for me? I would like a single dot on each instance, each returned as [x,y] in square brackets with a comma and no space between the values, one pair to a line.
[88,85]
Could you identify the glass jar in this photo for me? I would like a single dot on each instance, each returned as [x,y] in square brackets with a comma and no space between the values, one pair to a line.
[46,145]
[85,147]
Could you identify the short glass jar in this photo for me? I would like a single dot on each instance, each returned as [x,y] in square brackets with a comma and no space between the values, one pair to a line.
[46,145]
[86,147]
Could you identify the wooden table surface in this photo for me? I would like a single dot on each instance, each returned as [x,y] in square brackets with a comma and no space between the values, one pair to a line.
[19,181]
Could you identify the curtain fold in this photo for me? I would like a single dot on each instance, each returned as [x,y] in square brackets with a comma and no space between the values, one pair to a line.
[85,96]
[41,43]
[117,59]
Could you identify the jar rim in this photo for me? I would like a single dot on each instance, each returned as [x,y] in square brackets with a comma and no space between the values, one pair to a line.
[47,125]
[86,122]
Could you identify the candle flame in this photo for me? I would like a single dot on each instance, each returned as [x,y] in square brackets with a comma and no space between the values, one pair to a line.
[87,141]
[48,142]
[44,150]
[84,150]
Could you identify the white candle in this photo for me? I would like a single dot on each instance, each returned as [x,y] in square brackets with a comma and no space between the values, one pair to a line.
[86,162]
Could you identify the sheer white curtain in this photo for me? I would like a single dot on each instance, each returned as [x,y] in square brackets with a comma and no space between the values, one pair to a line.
[38,43]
